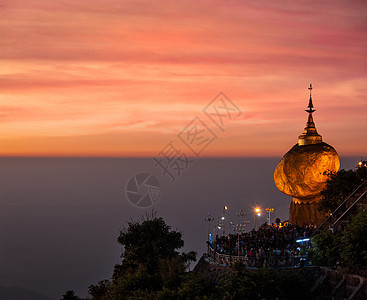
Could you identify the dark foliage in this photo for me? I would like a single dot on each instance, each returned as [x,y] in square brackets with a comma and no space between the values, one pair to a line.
[354,243]
[327,247]
[147,242]
[266,284]
[347,249]
[151,266]
[70,295]
[339,186]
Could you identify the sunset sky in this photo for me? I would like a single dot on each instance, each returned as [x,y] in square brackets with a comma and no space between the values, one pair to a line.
[124,78]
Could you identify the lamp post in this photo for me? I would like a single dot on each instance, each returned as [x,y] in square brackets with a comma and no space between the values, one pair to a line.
[231,227]
[223,219]
[362,163]
[240,229]
[238,240]
[219,226]
[241,214]
[257,214]
[209,219]
[269,211]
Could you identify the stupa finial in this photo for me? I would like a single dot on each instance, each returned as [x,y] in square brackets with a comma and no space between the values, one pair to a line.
[310,105]
[309,135]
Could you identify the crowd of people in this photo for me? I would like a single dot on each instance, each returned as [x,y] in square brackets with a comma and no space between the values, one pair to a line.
[267,242]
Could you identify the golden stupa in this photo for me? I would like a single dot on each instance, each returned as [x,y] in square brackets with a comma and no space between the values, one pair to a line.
[302,173]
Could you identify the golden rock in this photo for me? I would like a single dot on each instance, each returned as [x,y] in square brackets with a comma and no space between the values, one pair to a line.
[302,172]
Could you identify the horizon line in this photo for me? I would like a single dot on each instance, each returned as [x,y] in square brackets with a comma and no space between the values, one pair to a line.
[147,156]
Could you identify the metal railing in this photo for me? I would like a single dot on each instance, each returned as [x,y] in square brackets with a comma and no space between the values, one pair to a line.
[350,209]
[270,261]
[339,208]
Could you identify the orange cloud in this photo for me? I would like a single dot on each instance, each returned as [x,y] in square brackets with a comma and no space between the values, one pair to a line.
[140,71]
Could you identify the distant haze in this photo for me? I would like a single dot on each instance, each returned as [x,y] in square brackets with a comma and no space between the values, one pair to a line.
[60,217]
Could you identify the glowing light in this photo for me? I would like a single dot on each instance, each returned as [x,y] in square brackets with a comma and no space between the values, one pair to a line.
[222,218]
[225,207]
[257,210]
[302,240]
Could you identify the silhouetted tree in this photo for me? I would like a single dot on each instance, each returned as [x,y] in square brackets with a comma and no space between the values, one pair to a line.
[346,248]
[147,242]
[362,170]
[101,291]
[354,243]
[265,284]
[70,295]
[340,185]
[327,248]
[151,266]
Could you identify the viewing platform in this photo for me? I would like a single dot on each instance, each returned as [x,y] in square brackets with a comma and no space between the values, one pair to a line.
[276,261]
[268,247]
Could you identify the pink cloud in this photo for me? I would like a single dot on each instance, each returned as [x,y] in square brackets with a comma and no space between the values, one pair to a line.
[103,66]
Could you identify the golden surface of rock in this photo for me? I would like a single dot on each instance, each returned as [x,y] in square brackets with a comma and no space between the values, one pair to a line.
[302,171]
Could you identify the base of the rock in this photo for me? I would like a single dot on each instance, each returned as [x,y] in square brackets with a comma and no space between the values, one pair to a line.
[304,214]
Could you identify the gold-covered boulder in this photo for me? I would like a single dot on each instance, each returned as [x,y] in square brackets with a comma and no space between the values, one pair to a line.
[302,172]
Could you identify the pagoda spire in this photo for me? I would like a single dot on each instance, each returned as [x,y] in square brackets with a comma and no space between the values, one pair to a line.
[309,135]
[310,105]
